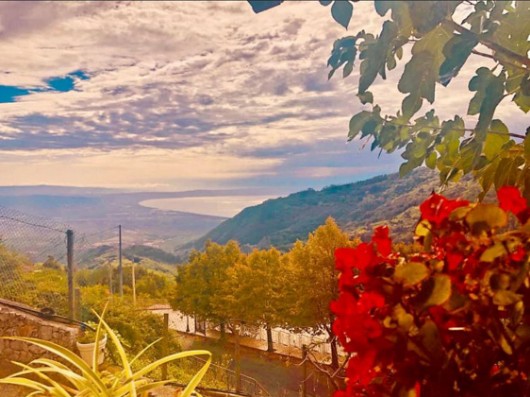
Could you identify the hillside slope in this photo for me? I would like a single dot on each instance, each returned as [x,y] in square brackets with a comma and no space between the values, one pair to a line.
[356,207]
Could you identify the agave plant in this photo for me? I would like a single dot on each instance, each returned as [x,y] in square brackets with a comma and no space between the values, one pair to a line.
[74,377]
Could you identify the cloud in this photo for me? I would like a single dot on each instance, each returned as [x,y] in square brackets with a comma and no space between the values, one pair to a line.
[209,79]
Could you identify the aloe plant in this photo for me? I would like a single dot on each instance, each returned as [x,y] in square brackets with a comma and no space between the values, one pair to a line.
[74,377]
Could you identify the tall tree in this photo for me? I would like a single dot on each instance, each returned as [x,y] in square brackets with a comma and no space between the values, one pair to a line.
[441,37]
[200,283]
[258,284]
[314,281]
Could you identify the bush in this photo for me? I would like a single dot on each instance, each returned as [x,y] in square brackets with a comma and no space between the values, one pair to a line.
[448,320]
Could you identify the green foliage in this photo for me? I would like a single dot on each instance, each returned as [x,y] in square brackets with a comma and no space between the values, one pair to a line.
[441,46]
[255,289]
[49,288]
[200,283]
[312,268]
[153,253]
[137,328]
[71,376]
[12,264]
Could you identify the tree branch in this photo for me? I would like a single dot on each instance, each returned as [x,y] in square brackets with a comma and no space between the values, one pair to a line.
[490,44]
[510,134]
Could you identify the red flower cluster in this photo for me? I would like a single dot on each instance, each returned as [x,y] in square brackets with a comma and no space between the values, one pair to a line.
[457,284]
[356,324]
[436,209]
[510,200]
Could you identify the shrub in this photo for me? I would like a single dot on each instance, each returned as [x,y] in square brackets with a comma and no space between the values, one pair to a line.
[447,320]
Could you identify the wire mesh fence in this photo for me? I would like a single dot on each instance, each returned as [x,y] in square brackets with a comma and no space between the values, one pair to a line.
[24,241]
[38,257]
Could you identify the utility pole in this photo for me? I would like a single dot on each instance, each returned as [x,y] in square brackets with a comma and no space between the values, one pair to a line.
[134,280]
[70,270]
[111,289]
[120,267]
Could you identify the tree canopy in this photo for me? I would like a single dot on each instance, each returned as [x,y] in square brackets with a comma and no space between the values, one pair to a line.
[441,36]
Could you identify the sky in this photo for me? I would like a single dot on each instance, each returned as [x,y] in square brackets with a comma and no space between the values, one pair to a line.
[187,95]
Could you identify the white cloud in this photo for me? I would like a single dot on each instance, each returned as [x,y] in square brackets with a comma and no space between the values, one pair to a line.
[208,79]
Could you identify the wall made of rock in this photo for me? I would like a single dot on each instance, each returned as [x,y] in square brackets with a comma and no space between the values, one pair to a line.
[17,323]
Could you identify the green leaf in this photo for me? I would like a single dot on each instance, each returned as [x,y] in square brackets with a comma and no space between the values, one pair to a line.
[427,15]
[421,72]
[489,93]
[441,291]
[366,97]
[506,297]
[485,217]
[374,55]
[406,168]
[403,319]
[382,6]
[508,171]
[505,345]
[495,251]
[411,273]
[410,105]
[419,76]
[456,51]
[527,147]
[348,68]
[342,11]
[430,161]
[496,139]
[522,94]
[517,313]
[263,5]
[357,122]
[344,52]
[430,337]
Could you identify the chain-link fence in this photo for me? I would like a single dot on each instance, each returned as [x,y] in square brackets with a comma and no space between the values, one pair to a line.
[38,258]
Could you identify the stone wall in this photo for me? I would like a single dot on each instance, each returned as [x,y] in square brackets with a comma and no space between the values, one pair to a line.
[18,323]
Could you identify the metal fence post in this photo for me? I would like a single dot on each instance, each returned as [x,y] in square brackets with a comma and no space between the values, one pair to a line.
[70,269]
[164,346]
[120,265]
[78,305]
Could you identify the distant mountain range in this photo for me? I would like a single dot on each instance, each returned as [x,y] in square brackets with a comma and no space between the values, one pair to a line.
[357,208]
[94,214]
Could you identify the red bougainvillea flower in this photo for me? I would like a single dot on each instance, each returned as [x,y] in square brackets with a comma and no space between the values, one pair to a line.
[437,209]
[344,258]
[360,368]
[382,240]
[453,260]
[510,199]
[359,258]
[518,255]
[417,389]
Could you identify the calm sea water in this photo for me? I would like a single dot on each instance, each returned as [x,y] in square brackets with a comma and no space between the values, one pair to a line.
[226,206]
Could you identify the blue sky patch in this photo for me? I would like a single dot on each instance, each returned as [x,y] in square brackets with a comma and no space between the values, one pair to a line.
[9,93]
[65,83]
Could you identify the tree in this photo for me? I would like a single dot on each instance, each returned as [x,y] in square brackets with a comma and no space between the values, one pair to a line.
[258,287]
[200,283]
[496,31]
[313,270]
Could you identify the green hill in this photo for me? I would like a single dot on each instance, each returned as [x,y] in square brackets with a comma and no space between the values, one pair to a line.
[147,257]
[357,208]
